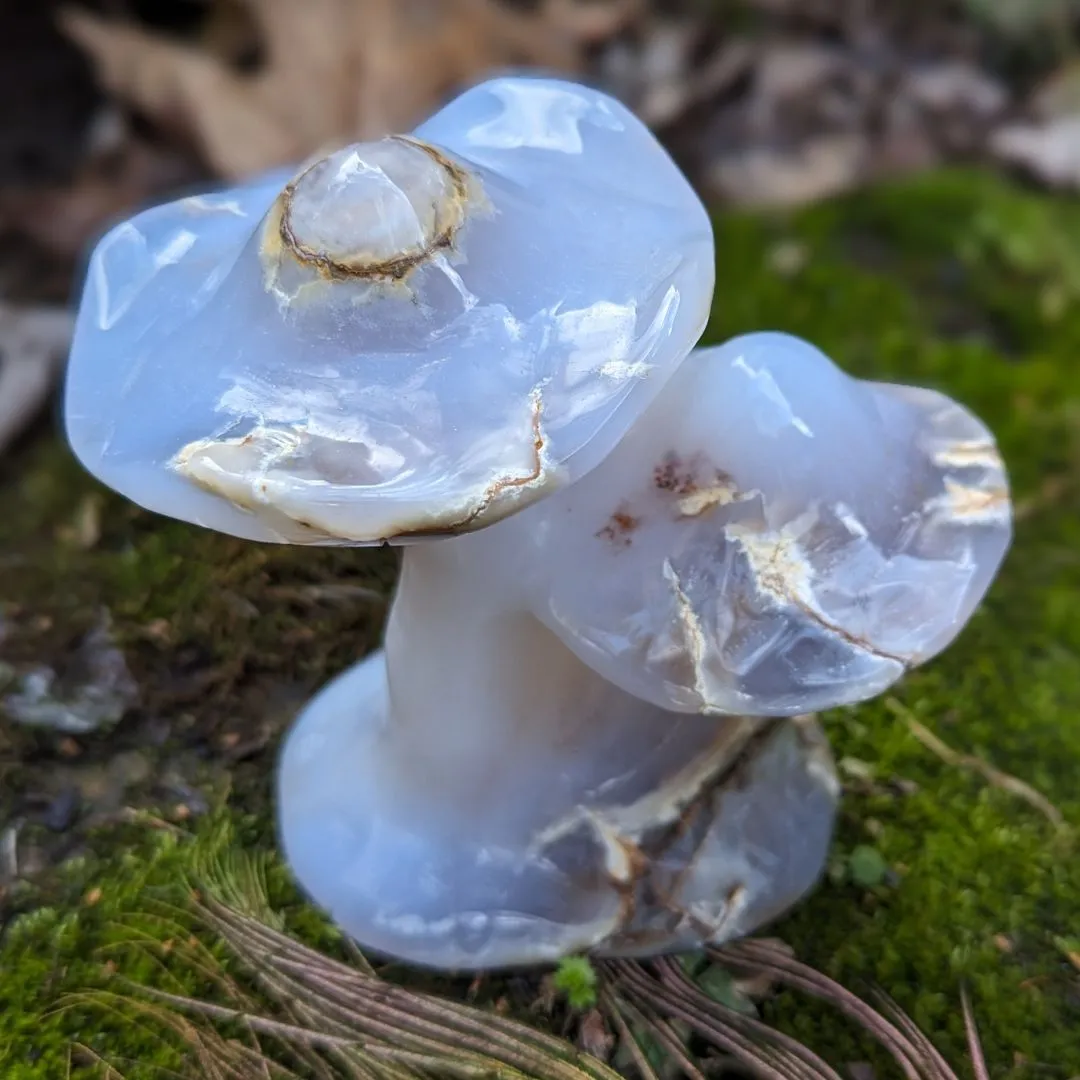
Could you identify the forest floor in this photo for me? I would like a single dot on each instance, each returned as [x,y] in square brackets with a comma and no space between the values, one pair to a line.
[185,654]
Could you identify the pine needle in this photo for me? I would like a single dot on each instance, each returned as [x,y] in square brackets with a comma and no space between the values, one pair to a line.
[300,1013]
[993,776]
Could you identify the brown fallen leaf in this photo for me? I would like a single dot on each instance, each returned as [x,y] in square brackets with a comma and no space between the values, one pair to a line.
[673,68]
[334,70]
[1057,95]
[593,1035]
[65,218]
[820,167]
[956,85]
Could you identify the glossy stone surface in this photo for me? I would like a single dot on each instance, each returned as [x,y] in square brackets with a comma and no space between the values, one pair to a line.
[525,773]
[647,564]
[346,397]
[457,841]
[772,537]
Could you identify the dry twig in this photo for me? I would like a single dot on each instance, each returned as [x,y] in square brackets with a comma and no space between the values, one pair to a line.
[993,776]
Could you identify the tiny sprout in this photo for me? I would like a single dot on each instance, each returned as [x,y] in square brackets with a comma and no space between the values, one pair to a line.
[575,979]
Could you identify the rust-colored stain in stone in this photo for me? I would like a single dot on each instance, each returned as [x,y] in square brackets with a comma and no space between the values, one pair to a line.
[676,476]
[620,527]
[697,485]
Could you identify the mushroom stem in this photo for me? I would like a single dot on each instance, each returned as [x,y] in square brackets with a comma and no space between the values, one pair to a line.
[476,796]
[496,694]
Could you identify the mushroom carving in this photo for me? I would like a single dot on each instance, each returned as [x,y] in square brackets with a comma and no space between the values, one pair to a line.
[632,569]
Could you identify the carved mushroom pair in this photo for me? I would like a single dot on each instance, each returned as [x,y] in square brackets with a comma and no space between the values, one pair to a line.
[631,569]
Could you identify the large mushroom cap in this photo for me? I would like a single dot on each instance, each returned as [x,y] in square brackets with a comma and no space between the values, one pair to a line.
[412,336]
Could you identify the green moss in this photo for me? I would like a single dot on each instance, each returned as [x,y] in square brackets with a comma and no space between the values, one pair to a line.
[954,280]
[122,917]
[64,948]
[943,281]
[575,979]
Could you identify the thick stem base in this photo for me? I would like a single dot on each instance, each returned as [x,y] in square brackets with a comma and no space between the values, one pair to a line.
[717,826]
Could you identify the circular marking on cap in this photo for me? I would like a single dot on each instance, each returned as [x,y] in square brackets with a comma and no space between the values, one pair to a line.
[429,192]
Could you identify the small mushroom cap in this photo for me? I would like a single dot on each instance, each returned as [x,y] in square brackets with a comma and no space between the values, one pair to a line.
[773,537]
[409,337]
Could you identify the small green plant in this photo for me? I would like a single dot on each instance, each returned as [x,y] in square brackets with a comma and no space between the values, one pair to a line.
[863,866]
[575,979]
[867,866]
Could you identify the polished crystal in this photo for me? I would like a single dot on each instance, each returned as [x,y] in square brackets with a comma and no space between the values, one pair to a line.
[633,568]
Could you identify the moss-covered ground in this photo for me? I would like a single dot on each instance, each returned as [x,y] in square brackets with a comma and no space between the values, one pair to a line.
[943,875]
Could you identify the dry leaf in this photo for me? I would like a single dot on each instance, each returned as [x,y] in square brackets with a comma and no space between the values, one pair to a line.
[1059,94]
[958,86]
[662,78]
[593,1035]
[822,166]
[1050,152]
[65,219]
[334,70]
[33,344]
